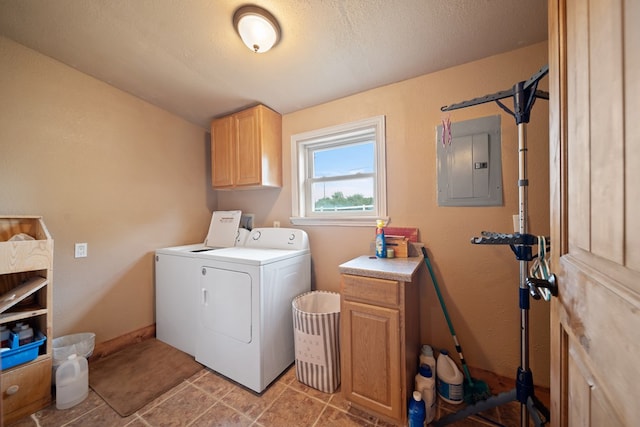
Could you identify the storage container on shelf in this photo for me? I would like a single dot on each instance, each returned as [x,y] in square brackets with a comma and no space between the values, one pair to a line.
[18,354]
[4,336]
[25,334]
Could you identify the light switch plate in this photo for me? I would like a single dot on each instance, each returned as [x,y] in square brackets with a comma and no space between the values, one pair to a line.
[81,250]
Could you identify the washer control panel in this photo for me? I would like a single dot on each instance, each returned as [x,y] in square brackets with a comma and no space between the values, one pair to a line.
[278,238]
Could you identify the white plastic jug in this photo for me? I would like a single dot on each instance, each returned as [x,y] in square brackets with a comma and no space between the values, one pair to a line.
[449,379]
[426,385]
[72,382]
[427,358]
[4,336]
[25,334]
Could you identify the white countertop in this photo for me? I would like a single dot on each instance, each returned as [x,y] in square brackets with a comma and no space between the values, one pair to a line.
[401,269]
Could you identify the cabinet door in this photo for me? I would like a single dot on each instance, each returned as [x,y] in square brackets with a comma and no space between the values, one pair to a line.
[222,152]
[371,365]
[248,161]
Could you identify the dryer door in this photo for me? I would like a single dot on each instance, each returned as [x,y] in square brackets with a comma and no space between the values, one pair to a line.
[225,304]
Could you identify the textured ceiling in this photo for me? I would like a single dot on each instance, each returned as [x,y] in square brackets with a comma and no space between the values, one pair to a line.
[184,55]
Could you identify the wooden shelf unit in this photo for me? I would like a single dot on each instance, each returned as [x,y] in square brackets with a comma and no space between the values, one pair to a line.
[26,275]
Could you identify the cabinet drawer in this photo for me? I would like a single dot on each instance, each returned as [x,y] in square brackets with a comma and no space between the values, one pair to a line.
[26,386]
[371,290]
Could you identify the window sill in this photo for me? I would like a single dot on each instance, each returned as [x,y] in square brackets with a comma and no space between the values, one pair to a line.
[339,222]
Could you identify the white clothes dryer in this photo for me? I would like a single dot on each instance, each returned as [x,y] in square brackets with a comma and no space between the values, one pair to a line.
[177,277]
[245,320]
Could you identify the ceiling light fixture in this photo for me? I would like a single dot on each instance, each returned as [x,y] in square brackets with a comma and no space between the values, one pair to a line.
[257,28]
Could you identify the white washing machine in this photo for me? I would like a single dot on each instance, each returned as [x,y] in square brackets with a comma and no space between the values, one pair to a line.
[177,297]
[245,326]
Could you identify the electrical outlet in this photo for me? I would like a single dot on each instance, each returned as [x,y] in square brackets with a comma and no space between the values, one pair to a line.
[276,224]
[81,250]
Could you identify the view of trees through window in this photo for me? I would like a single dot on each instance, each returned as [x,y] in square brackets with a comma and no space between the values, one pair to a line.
[339,202]
[339,174]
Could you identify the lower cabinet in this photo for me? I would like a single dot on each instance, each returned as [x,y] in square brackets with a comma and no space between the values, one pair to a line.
[26,389]
[380,340]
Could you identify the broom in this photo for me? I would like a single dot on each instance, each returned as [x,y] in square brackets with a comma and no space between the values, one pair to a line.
[474,390]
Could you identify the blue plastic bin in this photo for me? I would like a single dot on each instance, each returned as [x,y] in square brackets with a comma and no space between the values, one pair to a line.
[21,354]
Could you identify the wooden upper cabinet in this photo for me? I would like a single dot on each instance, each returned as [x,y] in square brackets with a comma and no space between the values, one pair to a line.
[222,152]
[246,149]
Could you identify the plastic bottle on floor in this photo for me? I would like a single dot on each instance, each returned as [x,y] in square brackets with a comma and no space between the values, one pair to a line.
[72,382]
[449,379]
[427,358]
[426,385]
[416,410]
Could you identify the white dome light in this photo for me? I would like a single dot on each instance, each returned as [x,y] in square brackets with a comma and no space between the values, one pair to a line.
[257,28]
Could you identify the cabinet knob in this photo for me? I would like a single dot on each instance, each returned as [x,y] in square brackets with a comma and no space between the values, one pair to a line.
[11,390]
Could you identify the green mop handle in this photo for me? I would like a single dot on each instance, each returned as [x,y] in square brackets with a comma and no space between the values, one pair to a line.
[446,316]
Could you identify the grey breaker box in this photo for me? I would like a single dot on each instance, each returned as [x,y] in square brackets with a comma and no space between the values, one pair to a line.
[470,167]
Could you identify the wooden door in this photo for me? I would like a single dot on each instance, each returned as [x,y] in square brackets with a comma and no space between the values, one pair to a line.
[594,58]
[371,362]
[222,153]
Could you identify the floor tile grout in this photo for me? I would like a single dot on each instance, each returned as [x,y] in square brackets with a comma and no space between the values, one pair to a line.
[207,384]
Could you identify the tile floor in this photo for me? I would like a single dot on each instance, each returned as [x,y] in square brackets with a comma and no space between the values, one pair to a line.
[208,399]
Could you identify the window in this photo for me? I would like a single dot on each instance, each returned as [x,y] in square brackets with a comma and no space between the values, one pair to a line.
[338,174]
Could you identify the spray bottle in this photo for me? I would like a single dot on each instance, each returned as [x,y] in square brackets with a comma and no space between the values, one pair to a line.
[381,244]
[417,413]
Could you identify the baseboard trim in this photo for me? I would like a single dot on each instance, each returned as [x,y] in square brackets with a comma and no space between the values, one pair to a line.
[109,347]
[499,384]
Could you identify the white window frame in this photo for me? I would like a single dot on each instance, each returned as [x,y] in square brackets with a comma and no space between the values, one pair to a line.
[334,136]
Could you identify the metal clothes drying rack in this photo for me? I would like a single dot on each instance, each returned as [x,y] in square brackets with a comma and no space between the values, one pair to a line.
[524,95]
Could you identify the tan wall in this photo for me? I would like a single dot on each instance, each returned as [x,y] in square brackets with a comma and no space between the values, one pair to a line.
[479,283]
[102,167]
[109,169]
